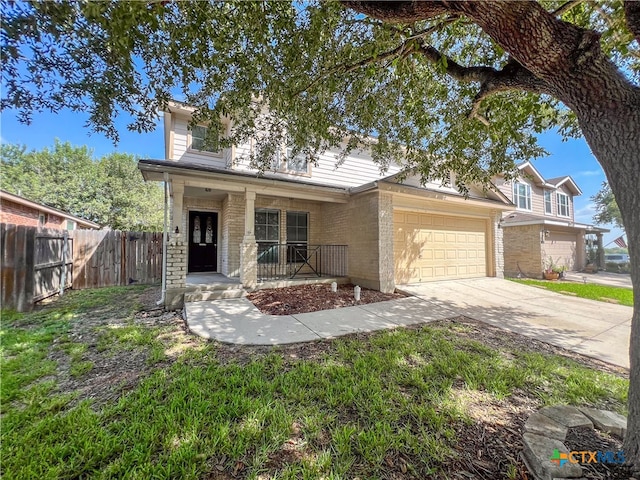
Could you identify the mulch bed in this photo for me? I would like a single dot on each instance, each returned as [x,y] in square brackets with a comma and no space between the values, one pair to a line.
[581,439]
[312,298]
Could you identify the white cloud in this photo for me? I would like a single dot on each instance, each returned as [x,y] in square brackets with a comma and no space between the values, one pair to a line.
[590,173]
[585,214]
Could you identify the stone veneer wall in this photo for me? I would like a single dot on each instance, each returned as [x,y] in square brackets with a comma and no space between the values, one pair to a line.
[370,231]
[334,229]
[176,271]
[233,207]
[386,264]
[522,248]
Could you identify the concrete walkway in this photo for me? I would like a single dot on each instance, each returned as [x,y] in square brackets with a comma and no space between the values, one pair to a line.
[597,329]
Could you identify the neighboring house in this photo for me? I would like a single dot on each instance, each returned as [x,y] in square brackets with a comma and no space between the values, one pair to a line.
[321,219]
[543,226]
[20,211]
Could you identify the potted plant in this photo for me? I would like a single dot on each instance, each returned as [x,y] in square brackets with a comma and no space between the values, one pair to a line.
[553,271]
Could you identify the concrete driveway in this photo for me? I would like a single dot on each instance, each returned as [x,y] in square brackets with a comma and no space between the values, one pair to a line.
[597,329]
[601,278]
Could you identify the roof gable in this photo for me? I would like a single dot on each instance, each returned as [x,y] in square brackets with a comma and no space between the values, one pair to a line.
[46,209]
[556,182]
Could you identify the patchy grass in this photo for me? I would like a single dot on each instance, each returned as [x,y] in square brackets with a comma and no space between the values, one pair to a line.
[623,296]
[389,404]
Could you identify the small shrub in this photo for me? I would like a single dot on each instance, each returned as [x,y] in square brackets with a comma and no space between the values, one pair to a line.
[618,267]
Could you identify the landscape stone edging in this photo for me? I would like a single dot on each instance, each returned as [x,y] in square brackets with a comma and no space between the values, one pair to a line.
[546,430]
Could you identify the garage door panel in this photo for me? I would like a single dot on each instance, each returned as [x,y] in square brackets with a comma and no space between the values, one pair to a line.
[437,247]
[427,272]
[562,248]
[439,272]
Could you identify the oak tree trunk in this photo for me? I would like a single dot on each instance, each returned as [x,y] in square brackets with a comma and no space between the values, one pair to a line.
[614,138]
[570,65]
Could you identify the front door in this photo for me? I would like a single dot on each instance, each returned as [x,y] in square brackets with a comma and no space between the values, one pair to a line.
[203,241]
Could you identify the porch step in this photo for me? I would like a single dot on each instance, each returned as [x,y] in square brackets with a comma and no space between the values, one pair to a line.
[216,292]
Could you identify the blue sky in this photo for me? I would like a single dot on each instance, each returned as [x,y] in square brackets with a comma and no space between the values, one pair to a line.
[572,157]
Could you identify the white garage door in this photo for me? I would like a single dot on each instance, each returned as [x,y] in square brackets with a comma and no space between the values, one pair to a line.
[437,247]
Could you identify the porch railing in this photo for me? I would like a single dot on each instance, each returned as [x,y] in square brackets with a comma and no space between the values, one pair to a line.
[301,261]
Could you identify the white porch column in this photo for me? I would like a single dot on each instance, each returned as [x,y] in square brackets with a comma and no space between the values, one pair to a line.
[601,263]
[249,247]
[176,261]
[177,197]
[581,252]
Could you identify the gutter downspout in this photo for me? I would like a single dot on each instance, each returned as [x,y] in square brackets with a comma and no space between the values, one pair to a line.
[164,240]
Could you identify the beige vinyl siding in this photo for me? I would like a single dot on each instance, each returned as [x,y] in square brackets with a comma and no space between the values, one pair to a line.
[537,197]
[181,151]
[355,170]
[414,181]
[438,247]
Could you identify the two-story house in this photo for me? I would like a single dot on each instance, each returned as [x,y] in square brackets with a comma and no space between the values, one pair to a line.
[303,220]
[542,227]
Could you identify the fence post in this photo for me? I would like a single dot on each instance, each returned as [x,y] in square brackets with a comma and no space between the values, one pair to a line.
[65,255]
[30,270]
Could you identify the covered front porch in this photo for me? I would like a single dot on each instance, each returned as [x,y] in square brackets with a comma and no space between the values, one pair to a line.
[238,231]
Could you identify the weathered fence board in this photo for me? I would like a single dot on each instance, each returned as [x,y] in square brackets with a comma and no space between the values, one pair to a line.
[53,263]
[37,263]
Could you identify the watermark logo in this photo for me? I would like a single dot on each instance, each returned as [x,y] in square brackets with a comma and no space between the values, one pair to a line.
[559,458]
[585,457]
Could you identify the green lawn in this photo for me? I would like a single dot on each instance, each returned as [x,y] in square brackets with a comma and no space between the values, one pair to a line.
[623,296]
[390,402]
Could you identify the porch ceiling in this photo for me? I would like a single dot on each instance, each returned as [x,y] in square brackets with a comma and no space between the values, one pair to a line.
[199,192]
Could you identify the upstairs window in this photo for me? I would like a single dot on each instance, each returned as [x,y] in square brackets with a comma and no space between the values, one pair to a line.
[297,164]
[522,196]
[548,207]
[563,204]
[198,136]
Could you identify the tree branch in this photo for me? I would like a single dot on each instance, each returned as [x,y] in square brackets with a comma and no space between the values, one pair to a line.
[399,11]
[401,50]
[512,76]
[566,7]
[632,15]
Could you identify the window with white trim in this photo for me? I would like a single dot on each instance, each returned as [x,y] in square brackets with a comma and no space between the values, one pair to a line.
[548,207]
[42,219]
[71,225]
[267,231]
[563,204]
[298,164]
[522,195]
[297,236]
[198,137]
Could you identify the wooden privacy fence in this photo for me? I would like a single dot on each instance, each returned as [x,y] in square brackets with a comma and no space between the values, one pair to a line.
[38,263]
